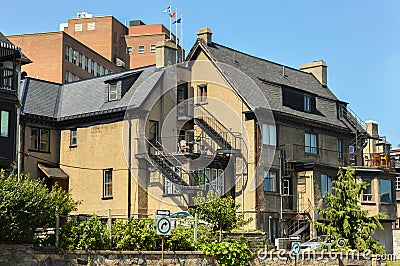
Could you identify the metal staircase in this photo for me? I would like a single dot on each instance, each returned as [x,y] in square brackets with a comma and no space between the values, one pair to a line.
[225,139]
[167,164]
[352,121]
[300,222]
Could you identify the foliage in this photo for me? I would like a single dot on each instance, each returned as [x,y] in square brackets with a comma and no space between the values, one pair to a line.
[134,234]
[26,204]
[85,235]
[221,212]
[346,219]
[228,253]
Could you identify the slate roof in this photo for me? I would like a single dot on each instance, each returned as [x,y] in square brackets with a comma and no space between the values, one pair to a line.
[268,76]
[64,101]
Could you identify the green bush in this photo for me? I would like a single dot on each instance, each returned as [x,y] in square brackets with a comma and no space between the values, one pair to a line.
[134,235]
[85,235]
[228,253]
[26,204]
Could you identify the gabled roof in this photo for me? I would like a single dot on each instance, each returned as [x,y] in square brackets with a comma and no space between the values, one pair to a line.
[86,97]
[269,77]
[6,44]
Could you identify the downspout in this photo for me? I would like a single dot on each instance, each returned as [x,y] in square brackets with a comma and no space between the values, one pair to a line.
[280,190]
[257,175]
[129,166]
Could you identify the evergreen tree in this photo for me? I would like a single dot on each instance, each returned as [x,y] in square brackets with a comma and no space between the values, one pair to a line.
[345,219]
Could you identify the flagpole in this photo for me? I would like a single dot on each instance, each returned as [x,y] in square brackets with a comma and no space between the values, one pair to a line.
[182,38]
[170,21]
[176,35]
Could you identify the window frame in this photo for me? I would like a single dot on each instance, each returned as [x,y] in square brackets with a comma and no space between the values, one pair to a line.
[73,137]
[153,48]
[6,128]
[268,138]
[272,176]
[327,185]
[78,27]
[368,197]
[87,59]
[307,103]
[170,189]
[309,149]
[107,186]
[202,94]
[339,147]
[110,92]
[67,53]
[129,50]
[141,49]
[380,191]
[91,25]
[38,141]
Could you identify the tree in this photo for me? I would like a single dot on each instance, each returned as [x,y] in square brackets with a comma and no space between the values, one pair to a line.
[345,219]
[26,204]
[221,212]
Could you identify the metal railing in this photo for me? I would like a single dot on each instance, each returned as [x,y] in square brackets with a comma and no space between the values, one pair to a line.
[8,79]
[306,154]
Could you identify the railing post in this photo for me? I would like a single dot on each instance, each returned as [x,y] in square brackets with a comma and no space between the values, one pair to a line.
[57,227]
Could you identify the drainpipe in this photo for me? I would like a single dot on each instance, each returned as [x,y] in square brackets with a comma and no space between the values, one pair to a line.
[129,166]
[280,188]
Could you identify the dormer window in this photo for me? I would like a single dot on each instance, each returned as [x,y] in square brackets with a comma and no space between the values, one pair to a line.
[112,92]
[307,103]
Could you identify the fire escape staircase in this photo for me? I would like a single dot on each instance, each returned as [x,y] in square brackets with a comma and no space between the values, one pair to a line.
[300,223]
[224,138]
[169,166]
[357,126]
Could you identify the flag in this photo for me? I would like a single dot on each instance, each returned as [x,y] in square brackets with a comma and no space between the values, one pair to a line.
[177,21]
[173,15]
[167,10]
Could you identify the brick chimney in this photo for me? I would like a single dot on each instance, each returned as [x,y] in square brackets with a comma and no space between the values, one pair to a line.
[165,53]
[205,35]
[318,69]
[372,128]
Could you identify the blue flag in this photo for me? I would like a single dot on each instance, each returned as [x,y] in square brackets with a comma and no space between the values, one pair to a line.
[177,21]
[167,10]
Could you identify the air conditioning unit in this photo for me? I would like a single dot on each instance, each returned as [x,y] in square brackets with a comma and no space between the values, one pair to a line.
[119,62]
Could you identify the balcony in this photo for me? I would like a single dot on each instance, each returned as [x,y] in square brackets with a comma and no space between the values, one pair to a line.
[8,79]
[305,154]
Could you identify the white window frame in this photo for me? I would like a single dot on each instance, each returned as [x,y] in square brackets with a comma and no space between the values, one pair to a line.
[112,92]
[91,25]
[269,135]
[4,123]
[107,183]
[397,182]
[312,146]
[367,196]
[326,182]
[73,137]
[271,177]
[129,50]
[307,103]
[78,26]
[39,139]
[339,146]
[141,49]
[153,48]
[170,188]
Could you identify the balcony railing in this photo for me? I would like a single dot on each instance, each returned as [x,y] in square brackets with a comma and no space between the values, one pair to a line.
[8,79]
[306,154]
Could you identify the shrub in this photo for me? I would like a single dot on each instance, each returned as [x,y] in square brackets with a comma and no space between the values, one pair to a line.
[134,235]
[228,253]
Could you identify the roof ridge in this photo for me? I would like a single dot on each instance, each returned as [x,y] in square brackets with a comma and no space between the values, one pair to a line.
[260,58]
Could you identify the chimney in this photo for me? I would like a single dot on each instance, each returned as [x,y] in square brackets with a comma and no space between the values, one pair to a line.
[165,53]
[205,34]
[372,128]
[318,69]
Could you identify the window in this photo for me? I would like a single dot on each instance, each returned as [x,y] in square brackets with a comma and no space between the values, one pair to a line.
[80,60]
[66,78]
[92,67]
[4,122]
[39,139]
[367,193]
[385,189]
[397,182]
[339,146]
[141,49]
[112,92]
[91,26]
[153,131]
[216,181]
[67,51]
[326,185]
[270,181]
[269,134]
[103,71]
[78,27]
[115,36]
[310,143]
[115,49]
[203,93]
[73,137]
[87,64]
[170,188]
[153,48]
[74,56]
[128,50]
[341,111]
[107,183]
[98,70]
[307,103]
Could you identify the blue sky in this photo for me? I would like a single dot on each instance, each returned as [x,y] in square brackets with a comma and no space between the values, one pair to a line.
[359,40]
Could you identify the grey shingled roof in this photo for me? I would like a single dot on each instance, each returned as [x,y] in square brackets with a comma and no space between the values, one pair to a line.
[268,76]
[61,101]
